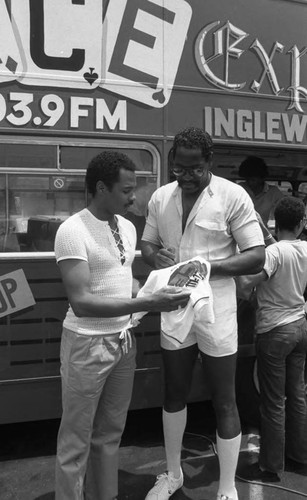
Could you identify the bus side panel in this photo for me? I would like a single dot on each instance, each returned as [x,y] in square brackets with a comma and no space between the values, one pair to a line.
[30,345]
[30,350]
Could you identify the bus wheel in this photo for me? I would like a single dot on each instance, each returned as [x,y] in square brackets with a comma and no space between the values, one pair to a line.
[247,391]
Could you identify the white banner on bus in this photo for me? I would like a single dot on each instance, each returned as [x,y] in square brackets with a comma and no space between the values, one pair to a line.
[15,293]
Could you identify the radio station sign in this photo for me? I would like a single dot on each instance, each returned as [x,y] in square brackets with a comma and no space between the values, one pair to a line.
[112,65]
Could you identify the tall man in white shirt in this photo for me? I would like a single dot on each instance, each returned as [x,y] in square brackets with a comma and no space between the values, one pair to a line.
[200,214]
[95,249]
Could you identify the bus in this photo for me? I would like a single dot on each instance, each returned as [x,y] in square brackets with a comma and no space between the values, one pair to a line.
[80,76]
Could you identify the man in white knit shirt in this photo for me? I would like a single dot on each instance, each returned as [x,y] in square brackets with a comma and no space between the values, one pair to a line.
[95,249]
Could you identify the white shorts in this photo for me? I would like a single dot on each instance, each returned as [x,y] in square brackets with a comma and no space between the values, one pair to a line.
[220,338]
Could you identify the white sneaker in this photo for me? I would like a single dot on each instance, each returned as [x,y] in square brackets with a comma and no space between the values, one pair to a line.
[225,497]
[165,486]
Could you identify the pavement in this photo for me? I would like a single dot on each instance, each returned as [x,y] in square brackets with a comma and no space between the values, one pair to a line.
[27,457]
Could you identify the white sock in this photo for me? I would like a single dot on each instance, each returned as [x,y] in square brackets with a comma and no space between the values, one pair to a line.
[228,453]
[173,427]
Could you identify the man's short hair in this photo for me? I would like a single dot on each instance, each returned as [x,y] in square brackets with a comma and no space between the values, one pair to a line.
[253,166]
[194,138]
[106,167]
[289,212]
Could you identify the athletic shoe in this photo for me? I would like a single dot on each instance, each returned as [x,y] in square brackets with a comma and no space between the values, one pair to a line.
[225,497]
[254,473]
[294,466]
[165,486]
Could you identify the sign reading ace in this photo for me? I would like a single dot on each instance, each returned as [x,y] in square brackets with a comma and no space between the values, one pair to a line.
[134,51]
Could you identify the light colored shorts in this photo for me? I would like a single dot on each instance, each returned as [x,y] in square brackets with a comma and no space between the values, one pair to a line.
[220,338]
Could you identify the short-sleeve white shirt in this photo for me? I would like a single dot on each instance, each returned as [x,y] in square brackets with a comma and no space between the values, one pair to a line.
[222,218]
[82,236]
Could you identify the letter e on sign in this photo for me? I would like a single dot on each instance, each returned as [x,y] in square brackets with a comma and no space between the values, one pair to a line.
[144,48]
[15,293]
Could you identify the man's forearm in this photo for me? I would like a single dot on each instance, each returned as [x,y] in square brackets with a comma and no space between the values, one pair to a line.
[90,305]
[149,251]
[249,262]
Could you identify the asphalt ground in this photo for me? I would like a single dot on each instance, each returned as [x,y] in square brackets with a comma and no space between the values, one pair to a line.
[27,457]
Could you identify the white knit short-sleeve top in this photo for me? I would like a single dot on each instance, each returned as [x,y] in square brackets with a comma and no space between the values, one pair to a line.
[83,236]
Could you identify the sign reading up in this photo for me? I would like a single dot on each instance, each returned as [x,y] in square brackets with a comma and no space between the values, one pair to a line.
[15,293]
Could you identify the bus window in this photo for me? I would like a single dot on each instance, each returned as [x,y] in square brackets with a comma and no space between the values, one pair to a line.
[138,211]
[4,222]
[302,191]
[43,184]
[284,186]
[27,156]
[37,204]
[75,157]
